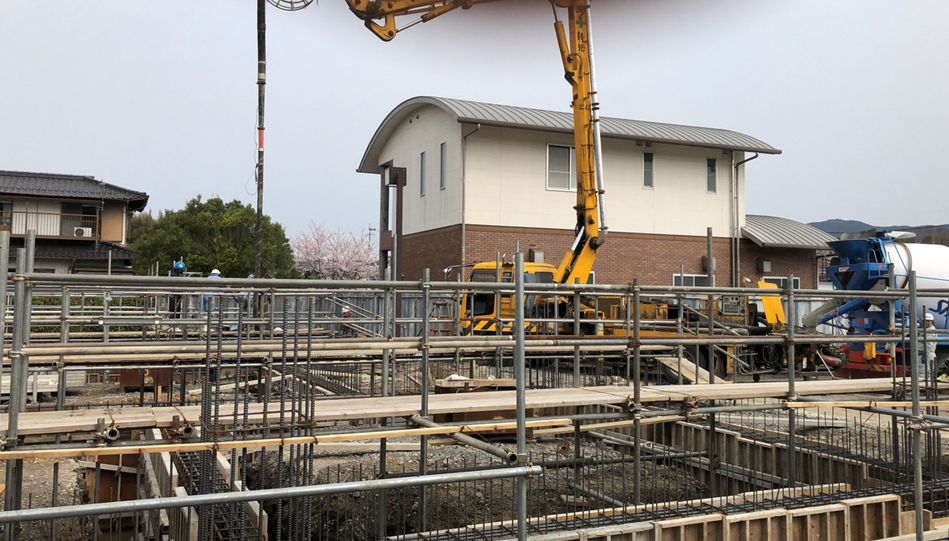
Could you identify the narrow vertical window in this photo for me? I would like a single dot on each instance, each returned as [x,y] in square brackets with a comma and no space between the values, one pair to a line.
[421,174]
[441,167]
[561,169]
[711,180]
[647,170]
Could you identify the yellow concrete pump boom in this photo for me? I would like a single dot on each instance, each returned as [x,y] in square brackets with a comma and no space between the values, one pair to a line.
[577,55]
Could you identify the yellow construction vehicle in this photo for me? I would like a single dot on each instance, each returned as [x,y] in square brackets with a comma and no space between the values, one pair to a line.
[482,311]
[577,56]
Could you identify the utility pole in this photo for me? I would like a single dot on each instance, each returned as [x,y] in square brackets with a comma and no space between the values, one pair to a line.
[261,86]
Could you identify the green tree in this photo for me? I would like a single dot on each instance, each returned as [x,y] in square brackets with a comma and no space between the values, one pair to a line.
[209,235]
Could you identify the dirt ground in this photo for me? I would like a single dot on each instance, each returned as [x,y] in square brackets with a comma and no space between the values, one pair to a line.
[38,482]
[474,502]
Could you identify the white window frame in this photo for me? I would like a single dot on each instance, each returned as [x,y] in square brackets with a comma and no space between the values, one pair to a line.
[421,174]
[711,177]
[689,279]
[572,182]
[649,181]
[441,165]
[782,281]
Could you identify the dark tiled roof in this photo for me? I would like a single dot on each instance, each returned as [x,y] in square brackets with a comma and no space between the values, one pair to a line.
[81,250]
[75,186]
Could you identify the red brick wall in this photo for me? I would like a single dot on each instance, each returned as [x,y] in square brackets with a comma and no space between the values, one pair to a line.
[435,249]
[784,262]
[653,259]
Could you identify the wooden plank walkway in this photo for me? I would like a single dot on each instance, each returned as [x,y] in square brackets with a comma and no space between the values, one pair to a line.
[129,417]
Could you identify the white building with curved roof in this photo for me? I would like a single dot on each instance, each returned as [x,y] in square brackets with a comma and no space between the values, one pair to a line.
[478,177]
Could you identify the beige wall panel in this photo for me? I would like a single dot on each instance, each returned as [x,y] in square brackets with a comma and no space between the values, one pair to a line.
[507,185]
[424,132]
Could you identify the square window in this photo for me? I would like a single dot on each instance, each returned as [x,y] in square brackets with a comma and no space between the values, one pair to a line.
[782,281]
[690,280]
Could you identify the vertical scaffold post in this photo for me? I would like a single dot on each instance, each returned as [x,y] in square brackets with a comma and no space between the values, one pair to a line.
[21,322]
[426,286]
[637,398]
[792,391]
[520,385]
[917,414]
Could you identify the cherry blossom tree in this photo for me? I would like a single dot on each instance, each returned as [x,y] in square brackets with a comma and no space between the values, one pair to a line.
[326,254]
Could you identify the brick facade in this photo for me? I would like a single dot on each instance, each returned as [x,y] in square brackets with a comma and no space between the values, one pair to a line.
[653,259]
[784,262]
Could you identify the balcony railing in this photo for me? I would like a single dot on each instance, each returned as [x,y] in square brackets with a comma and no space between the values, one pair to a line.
[50,224]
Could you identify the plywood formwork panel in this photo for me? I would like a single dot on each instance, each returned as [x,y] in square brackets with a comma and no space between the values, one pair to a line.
[822,523]
[701,528]
[639,531]
[876,517]
[771,525]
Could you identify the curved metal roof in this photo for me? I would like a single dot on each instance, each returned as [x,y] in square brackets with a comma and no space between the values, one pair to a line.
[774,232]
[507,116]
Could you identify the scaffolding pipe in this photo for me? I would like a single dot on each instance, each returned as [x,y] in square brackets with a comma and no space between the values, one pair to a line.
[423,439]
[637,395]
[520,392]
[619,344]
[510,458]
[917,413]
[151,504]
[228,285]
[597,495]
[14,468]
[792,392]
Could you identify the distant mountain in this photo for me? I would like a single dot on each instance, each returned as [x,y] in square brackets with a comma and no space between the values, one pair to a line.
[836,227]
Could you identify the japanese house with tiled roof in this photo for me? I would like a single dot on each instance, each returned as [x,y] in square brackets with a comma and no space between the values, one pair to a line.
[81,223]
[479,177]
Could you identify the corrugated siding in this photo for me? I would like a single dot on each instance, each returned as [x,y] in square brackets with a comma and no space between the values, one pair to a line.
[771,231]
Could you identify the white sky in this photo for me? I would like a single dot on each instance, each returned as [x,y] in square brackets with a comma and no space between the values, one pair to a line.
[161,96]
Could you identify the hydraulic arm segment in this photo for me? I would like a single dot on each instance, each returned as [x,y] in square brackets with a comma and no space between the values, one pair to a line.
[577,55]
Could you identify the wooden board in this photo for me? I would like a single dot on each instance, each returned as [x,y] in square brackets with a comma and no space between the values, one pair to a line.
[123,418]
[688,370]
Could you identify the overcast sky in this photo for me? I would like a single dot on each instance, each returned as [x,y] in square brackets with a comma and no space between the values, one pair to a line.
[161,96]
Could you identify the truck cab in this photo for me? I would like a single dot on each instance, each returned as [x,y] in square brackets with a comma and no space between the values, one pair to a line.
[483,311]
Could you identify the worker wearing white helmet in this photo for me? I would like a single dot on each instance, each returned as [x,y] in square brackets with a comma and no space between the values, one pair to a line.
[208,300]
[928,343]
